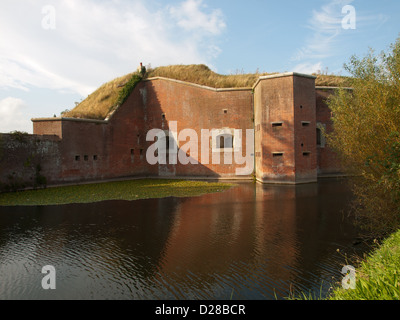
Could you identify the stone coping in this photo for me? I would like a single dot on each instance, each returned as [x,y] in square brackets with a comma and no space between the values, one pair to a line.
[199,85]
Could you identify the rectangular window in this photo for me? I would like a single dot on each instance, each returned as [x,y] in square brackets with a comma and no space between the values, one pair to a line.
[95,157]
[305,123]
[77,158]
[225,141]
[277,154]
[277,124]
[306,153]
[141,154]
[86,158]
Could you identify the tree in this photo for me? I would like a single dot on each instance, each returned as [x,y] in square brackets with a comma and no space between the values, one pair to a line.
[366,136]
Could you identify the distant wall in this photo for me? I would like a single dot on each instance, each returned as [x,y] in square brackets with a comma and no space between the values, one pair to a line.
[28,161]
[328,162]
[156,103]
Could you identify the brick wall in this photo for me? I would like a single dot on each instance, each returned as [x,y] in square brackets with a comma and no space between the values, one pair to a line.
[284,110]
[25,160]
[285,129]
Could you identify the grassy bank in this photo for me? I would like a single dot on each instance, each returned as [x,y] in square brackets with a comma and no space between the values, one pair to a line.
[378,276]
[120,190]
[100,103]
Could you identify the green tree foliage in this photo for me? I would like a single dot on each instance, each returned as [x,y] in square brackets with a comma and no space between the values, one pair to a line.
[367,137]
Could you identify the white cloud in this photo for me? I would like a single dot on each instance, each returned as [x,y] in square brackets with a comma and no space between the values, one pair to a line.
[328,37]
[326,26]
[96,41]
[189,16]
[308,68]
[12,115]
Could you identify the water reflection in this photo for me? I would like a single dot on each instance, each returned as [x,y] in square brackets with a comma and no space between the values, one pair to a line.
[252,241]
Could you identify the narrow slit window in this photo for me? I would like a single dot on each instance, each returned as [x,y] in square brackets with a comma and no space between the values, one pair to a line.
[305,123]
[141,154]
[277,124]
[277,154]
[321,141]
[318,137]
[95,157]
[132,155]
[306,153]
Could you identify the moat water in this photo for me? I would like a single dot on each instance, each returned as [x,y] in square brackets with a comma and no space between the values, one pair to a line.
[251,242]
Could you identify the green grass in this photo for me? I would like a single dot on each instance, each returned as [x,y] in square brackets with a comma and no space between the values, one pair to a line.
[378,276]
[120,190]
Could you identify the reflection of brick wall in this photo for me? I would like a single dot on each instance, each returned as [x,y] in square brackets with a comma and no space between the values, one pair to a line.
[283,111]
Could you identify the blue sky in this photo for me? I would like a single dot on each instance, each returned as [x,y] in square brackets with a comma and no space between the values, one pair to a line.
[54,53]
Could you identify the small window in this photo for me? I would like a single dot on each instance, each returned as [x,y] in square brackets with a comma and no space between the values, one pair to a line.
[225,111]
[277,124]
[77,158]
[141,154]
[163,116]
[277,154]
[86,158]
[95,157]
[305,123]
[306,153]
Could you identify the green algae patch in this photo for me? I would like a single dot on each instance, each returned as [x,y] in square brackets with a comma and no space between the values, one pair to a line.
[118,190]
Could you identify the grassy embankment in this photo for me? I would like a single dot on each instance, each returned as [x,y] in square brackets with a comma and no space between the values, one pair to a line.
[104,100]
[119,190]
[378,276]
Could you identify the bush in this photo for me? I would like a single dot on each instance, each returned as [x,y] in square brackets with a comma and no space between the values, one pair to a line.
[366,135]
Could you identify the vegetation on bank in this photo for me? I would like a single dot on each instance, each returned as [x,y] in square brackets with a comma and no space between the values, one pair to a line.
[378,276]
[105,99]
[366,136]
[118,190]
